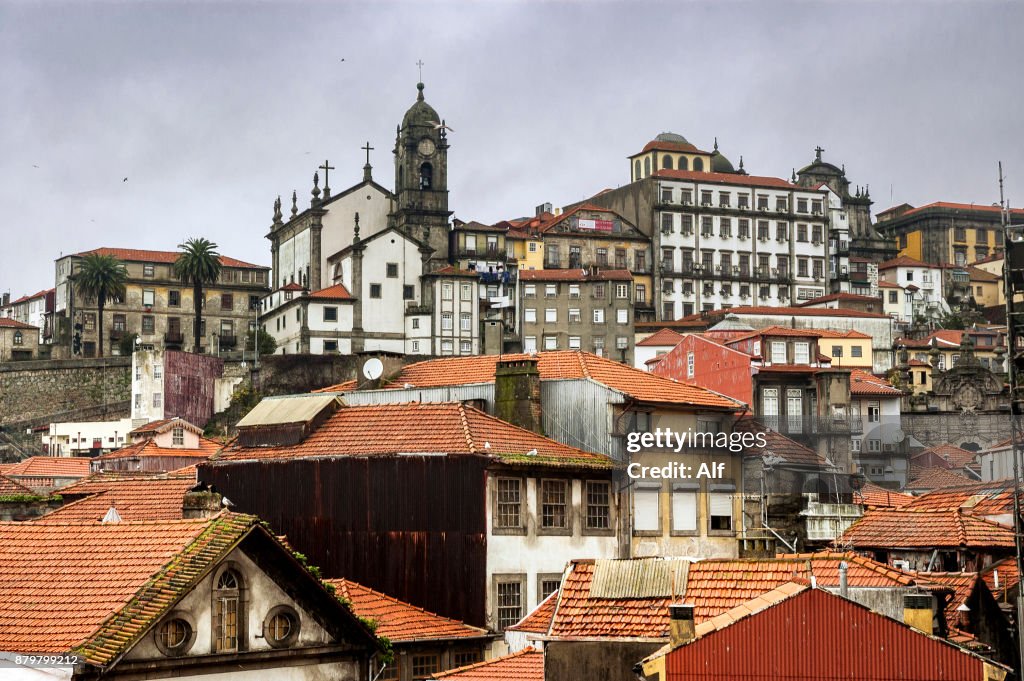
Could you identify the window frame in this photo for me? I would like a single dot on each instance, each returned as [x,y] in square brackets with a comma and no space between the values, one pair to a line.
[565,529]
[506,530]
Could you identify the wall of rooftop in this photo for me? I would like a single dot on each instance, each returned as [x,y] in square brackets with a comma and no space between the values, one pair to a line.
[38,392]
[962,430]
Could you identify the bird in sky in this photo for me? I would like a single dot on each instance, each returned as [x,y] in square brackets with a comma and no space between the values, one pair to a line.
[125,179]
[34,165]
[439,125]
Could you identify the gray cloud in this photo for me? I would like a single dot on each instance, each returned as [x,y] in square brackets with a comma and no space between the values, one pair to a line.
[209,109]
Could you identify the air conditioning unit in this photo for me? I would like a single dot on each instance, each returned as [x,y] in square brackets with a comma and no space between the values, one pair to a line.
[687,232]
[706,204]
[723,205]
[718,268]
[725,292]
[744,295]
[687,202]
[763,297]
[743,237]
[763,209]
[762,239]
[817,212]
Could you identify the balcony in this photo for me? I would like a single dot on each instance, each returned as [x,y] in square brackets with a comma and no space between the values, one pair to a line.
[506,277]
[812,425]
[173,338]
[417,309]
[493,254]
[228,341]
[117,334]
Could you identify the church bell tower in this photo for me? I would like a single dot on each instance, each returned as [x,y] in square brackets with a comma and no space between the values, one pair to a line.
[421,178]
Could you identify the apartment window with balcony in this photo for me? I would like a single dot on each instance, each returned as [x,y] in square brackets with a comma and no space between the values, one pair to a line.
[667,223]
[763,264]
[492,246]
[762,230]
[743,230]
[725,228]
[783,262]
[686,224]
[745,264]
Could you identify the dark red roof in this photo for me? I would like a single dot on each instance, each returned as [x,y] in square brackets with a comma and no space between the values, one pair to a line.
[7,322]
[164,257]
[731,178]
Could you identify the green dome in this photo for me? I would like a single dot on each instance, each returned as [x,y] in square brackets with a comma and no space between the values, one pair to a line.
[720,164]
[671,137]
[420,113]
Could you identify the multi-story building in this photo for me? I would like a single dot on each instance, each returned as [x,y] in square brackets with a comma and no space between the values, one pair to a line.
[944,233]
[158,306]
[577,309]
[34,310]
[923,296]
[488,251]
[722,238]
[310,323]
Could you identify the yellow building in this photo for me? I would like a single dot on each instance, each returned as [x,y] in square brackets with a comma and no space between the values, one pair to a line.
[946,233]
[848,349]
[945,345]
[668,151]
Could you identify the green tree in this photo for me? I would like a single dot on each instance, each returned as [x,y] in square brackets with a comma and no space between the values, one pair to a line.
[100,277]
[267,344]
[197,266]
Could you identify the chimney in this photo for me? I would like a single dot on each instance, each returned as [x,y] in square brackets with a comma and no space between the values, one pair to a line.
[517,393]
[917,612]
[200,505]
[680,628]
[844,587]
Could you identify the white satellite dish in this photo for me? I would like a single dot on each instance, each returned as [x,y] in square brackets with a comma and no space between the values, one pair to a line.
[373,369]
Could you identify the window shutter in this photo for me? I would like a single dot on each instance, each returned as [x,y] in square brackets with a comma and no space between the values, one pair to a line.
[684,511]
[721,504]
[645,508]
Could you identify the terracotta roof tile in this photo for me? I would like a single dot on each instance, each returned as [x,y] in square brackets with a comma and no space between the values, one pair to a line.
[668,145]
[970,207]
[876,496]
[336,292]
[863,383]
[446,428]
[165,257]
[784,311]
[149,448]
[566,364]
[957,457]
[399,621]
[1005,573]
[526,665]
[539,620]
[903,261]
[934,478]
[136,497]
[93,586]
[9,488]
[51,466]
[731,178]
[661,338]
[778,444]
[978,498]
[854,297]
[960,583]
[909,529]
[7,322]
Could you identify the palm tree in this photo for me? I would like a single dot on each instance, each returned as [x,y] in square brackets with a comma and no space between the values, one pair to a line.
[101,277]
[198,265]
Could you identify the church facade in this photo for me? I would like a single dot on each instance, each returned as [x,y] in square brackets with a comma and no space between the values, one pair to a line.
[368,269]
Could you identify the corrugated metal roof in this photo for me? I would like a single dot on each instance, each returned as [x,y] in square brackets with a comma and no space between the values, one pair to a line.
[274,411]
[639,578]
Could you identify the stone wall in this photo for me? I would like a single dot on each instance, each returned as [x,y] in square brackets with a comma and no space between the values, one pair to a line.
[42,391]
[968,430]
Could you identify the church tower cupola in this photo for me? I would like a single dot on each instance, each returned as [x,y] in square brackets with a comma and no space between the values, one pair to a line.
[421,177]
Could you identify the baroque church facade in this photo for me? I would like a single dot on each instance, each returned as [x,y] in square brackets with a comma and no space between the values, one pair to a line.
[366,270]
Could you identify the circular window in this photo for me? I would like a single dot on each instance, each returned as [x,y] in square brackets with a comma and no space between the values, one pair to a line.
[281,627]
[175,636]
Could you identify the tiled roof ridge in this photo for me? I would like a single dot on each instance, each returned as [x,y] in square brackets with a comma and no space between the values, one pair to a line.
[583,364]
[466,431]
[484,663]
[122,628]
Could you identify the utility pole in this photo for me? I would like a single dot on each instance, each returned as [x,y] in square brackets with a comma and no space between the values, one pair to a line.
[1013,275]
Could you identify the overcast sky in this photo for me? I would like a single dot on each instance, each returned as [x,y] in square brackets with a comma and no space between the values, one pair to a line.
[213,109]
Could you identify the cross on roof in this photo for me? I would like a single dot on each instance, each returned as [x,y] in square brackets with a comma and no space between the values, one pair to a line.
[419,63]
[367,149]
[818,150]
[326,167]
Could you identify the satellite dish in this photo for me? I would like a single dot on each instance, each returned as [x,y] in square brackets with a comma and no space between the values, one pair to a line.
[373,369]
[898,436]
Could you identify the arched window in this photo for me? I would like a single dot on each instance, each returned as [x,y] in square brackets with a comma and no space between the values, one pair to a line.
[426,176]
[636,170]
[647,166]
[666,162]
[18,338]
[228,612]
[698,164]
[683,165]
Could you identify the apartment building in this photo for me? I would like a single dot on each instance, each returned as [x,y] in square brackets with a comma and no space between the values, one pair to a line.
[158,306]
[944,233]
[577,309]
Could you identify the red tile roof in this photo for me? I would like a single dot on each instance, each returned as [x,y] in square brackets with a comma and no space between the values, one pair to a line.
[547,222]
[526,665]
[863,383]
[451,271]
[564,364]
[960,583]
[661,338]
[904,261]
[732,178]
[957,457]
[575,275]
[10,488]
[538,621]
[782,331]
[1005,572]
[666,145]
[910,529]
[876,496]
[163,425]
[830,333]
[934,478]
[439,428]
[402,622]
[336,292]
[51,466]
[136,497]
[34,296]
[979,498]
[149,449]
[164,257]
[778,444]
[61,584]
[7,322]
[970,207]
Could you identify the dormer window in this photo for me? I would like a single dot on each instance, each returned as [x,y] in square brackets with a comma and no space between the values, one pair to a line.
[178,437]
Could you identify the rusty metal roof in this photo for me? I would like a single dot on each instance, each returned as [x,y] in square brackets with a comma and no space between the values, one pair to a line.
[639,578]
